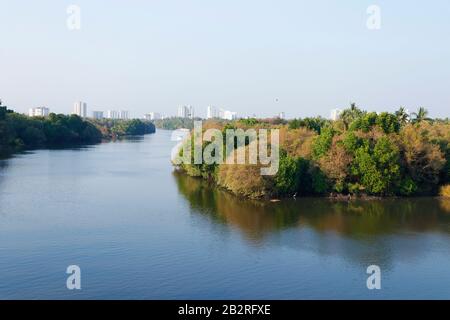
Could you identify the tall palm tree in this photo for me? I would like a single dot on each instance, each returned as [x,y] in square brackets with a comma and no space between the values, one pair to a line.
[421,115]
[349,115]
[402,116]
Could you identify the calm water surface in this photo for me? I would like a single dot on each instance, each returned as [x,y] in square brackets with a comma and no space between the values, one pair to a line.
[138,230]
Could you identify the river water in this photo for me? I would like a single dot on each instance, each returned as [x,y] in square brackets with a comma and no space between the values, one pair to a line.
[138,230]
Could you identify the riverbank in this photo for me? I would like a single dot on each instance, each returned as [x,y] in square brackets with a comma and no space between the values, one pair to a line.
[332,197]
[19,132]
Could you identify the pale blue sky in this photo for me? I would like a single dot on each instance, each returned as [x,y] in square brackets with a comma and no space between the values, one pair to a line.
[145,56]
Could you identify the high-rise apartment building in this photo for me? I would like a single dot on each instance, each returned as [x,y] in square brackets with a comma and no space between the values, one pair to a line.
[185,112]
[80,109]
[182,112]
[112,114]
[335,113]
[212,112]
[123,114]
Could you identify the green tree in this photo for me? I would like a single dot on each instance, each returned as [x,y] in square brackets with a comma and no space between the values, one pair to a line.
[364,122]
[388,122]
[420,115]
[377,170]
[322,143]
[292,176]
[351,114]
[402,116]
[315,124]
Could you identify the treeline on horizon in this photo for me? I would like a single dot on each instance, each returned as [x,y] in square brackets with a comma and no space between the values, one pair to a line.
[18,131]
[361,154]
[174,123]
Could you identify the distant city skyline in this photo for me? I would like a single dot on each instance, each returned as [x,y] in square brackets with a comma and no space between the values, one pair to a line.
[302,57]
[183,111]
[80,108]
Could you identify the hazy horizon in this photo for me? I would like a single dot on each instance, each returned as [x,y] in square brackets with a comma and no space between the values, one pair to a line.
[257,57]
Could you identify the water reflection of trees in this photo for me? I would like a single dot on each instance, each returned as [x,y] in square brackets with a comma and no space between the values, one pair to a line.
[3,165]
[3,168]
[364,232]
[356,219]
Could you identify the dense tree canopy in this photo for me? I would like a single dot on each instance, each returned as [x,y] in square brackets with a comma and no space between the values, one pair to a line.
[19,131]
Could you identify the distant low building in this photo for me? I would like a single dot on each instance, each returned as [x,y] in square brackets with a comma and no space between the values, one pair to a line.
[281,115]
[39,112]
[98,115]
[228,115]
[113,114]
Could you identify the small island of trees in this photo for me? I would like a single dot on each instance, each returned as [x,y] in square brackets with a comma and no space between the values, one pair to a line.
[360,154]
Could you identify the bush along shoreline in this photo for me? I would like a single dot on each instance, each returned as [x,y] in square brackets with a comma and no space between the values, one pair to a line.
[363,154]
[20,132]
